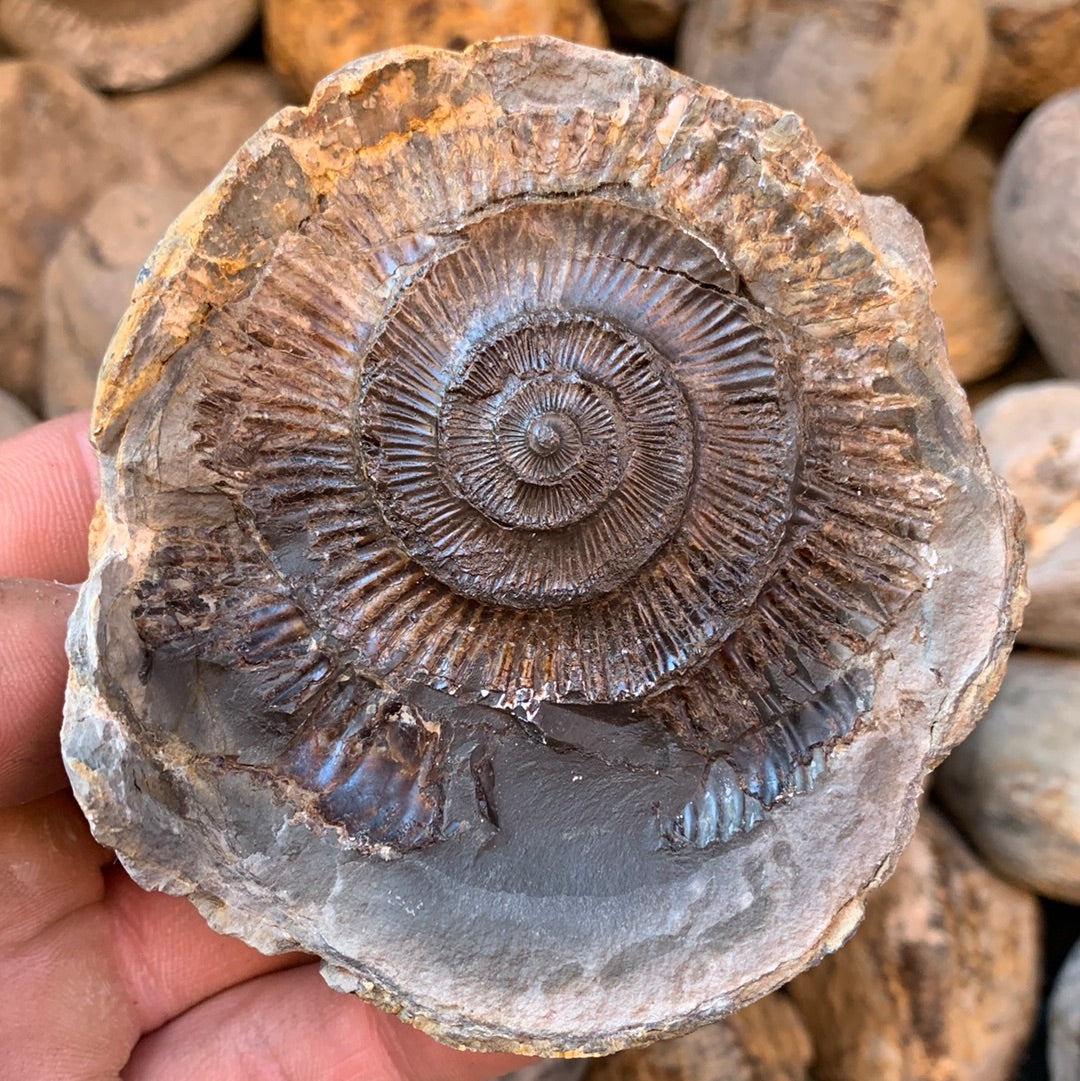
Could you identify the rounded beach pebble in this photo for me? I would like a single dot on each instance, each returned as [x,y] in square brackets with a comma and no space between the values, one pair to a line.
[59,146]
[1032,434]
[1036,224]
[1063,1021]
[885,87]
[1013,786]
[88,283]
[1034,52]
[127,44]
[193,128]
[941,980]
[951,199]
[307,39]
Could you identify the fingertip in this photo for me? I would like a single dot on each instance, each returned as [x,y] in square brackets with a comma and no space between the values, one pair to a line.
[33,674]
[48,488]
[293,1021]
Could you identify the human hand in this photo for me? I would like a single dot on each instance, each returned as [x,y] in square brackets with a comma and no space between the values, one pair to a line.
[98,979]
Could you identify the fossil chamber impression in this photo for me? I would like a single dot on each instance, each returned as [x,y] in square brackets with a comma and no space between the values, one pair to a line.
[541,549]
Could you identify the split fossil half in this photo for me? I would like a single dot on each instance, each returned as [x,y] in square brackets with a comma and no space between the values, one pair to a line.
[541,548]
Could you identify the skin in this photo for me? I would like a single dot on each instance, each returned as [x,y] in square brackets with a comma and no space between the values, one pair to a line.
[98,979]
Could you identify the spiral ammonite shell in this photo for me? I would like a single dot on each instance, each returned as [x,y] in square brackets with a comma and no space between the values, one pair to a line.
[541,548]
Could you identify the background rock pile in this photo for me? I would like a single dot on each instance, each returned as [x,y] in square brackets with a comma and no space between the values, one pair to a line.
[967,111]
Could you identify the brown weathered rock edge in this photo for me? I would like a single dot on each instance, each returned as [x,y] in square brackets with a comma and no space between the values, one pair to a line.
[752,184]
[940,981]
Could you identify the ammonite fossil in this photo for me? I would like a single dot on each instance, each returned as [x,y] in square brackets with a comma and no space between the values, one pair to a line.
[541,548]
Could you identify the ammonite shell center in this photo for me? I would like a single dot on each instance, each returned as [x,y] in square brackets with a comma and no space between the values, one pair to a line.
[554,416]
[546,434]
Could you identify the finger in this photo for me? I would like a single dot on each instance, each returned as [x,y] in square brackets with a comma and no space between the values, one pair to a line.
[291,1026]
[48,484]
[88,962]
[62,1015]
[49,867]
[166,956]
[33,671]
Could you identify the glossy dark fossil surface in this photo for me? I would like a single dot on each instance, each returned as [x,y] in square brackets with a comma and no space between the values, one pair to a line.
[541,548]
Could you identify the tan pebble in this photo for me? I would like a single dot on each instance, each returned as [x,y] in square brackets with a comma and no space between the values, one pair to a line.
[952,201]
[1034,52]
[88,284]
[127,44]
[194,127]
[766,1041]
[885,86]
[14,416]
[1036,226]
[59,145]
[307,39]
[1032,434]
[1014,785]
[940,981]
